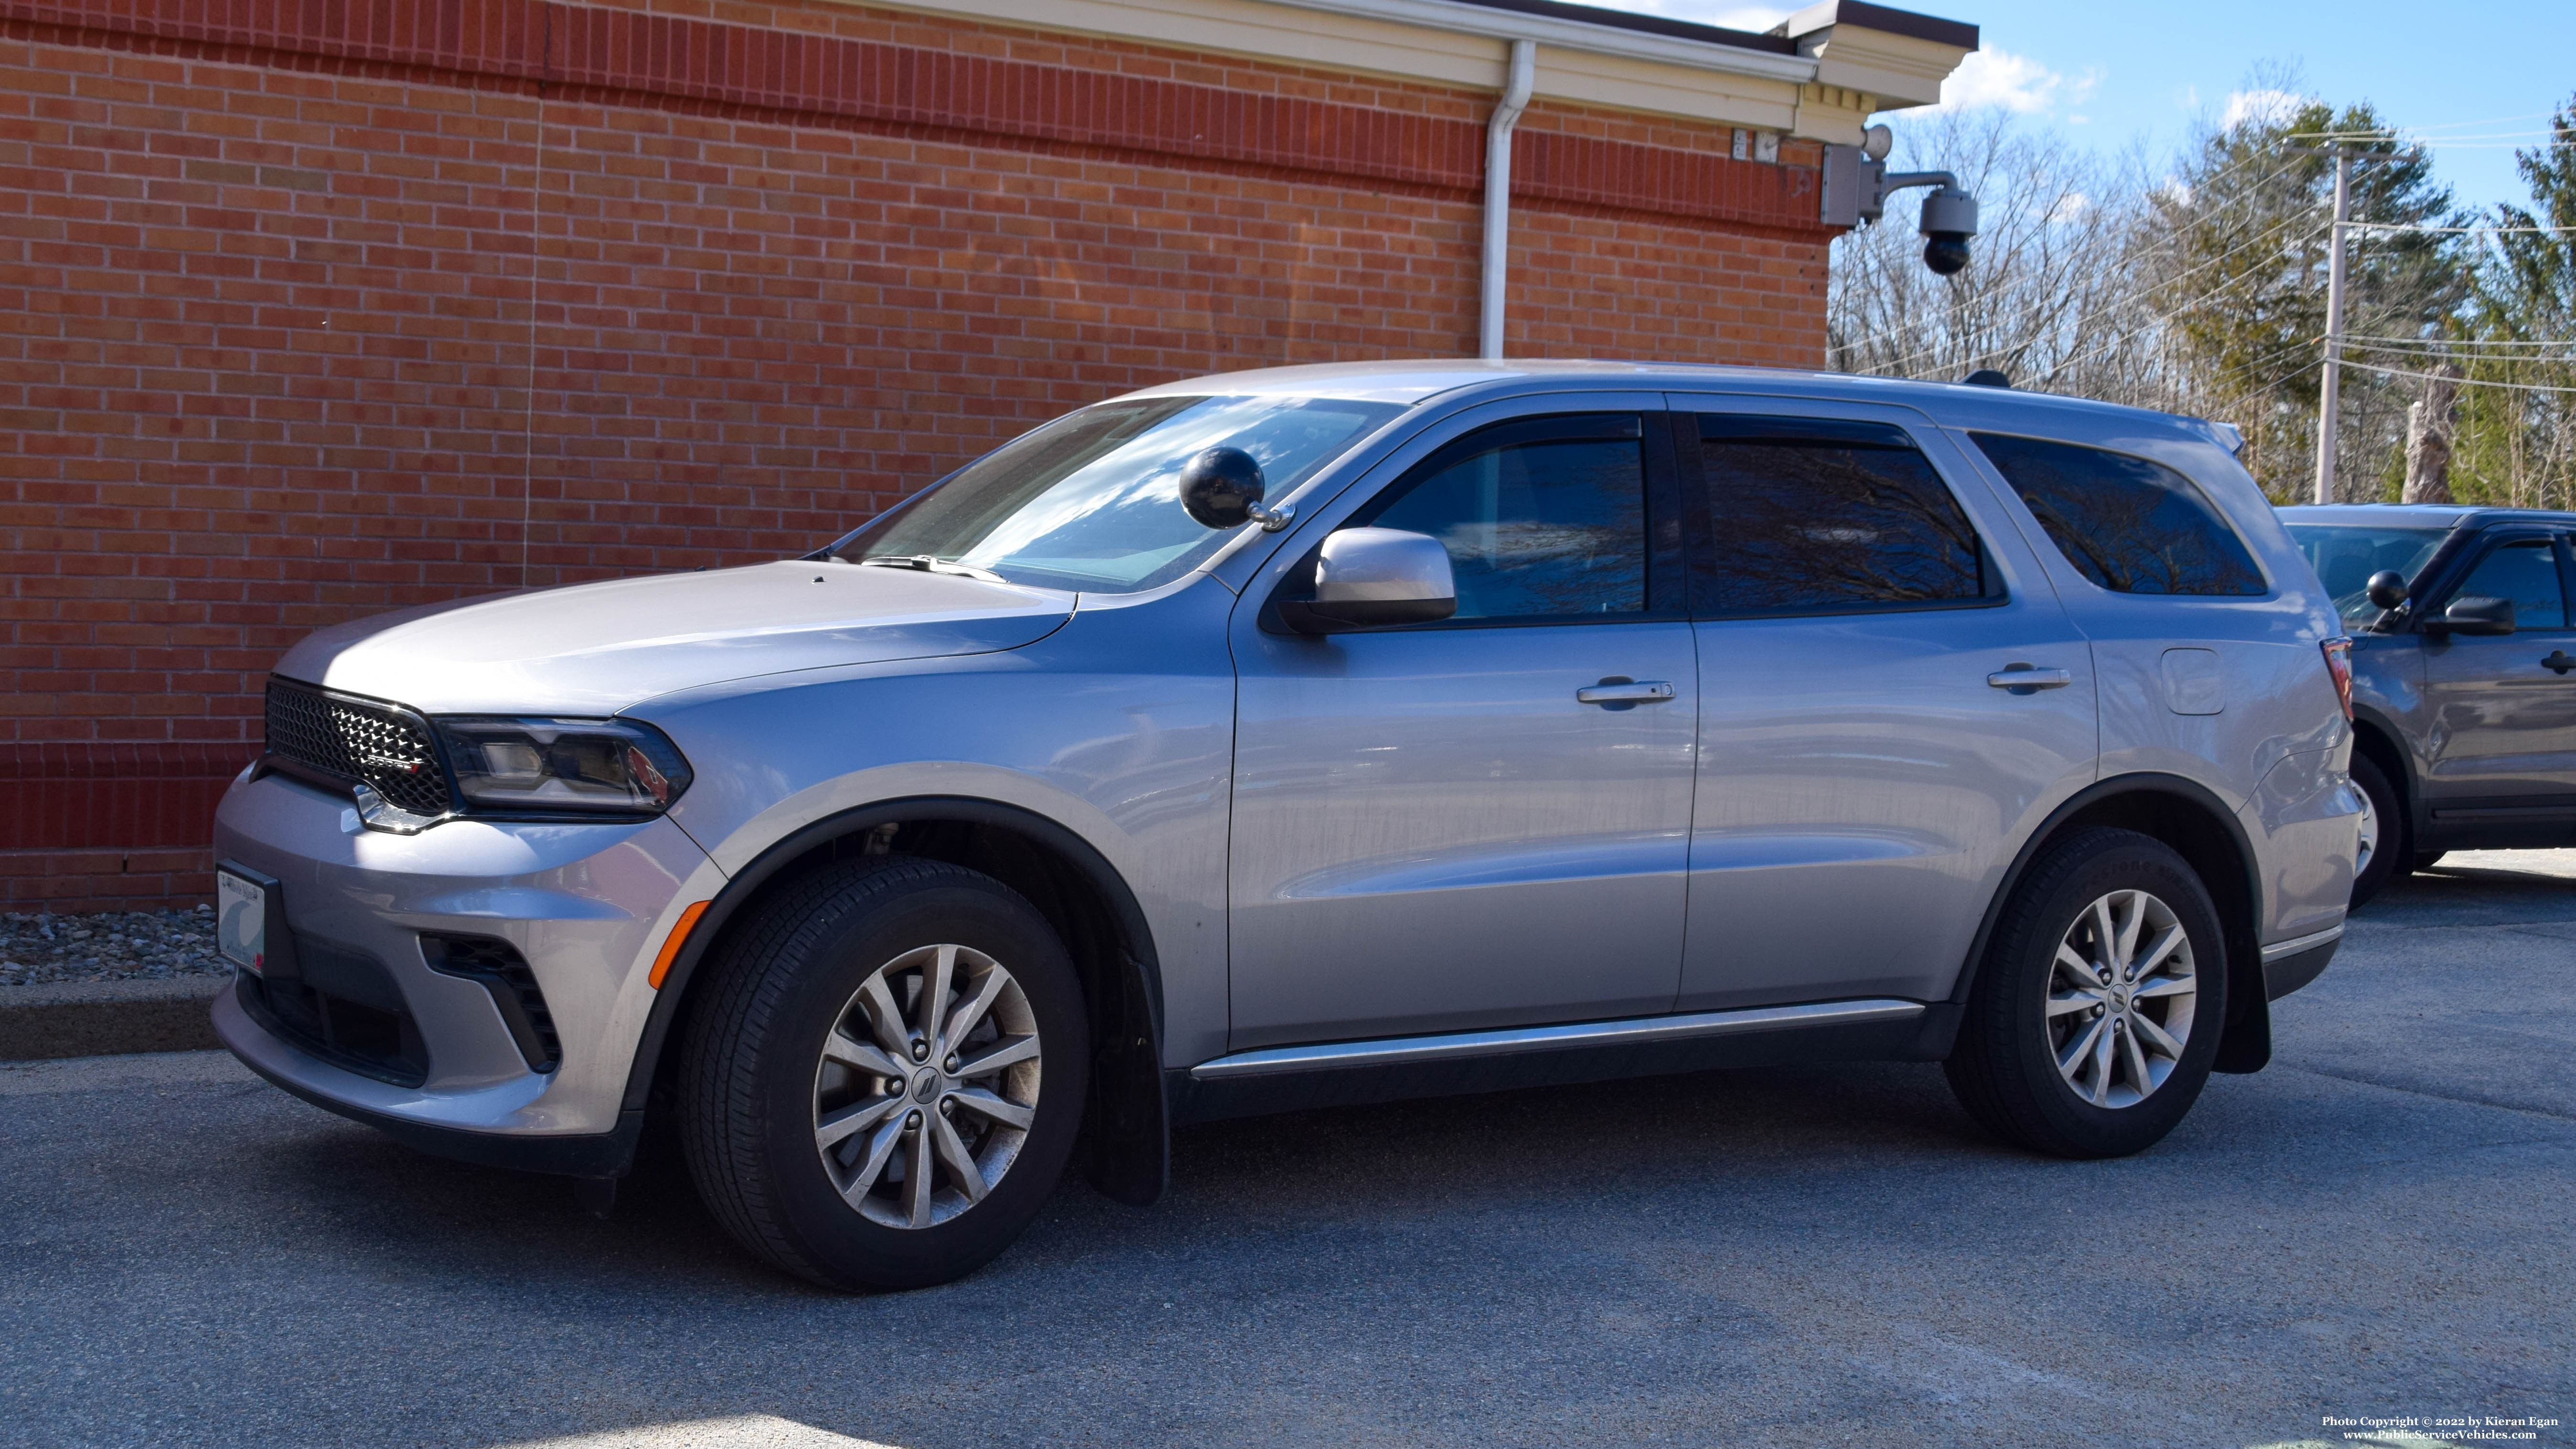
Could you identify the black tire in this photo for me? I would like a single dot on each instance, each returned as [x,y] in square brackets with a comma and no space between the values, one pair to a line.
[752,1075]
[2394,844]
[2004,1068]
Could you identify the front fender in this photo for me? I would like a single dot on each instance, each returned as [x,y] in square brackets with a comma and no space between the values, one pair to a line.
[1118,729]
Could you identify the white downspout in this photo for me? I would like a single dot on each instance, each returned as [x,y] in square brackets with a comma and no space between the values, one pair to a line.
[1498,196]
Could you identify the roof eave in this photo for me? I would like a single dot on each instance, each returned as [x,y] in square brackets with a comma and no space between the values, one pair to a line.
[1599,39]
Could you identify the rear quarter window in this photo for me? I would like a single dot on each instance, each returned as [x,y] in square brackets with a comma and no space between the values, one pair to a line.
[2130,524]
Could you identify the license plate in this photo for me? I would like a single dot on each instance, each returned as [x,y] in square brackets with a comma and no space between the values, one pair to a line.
[241,921]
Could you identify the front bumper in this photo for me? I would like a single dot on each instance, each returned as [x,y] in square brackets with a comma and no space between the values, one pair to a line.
[576,1154]
[586,907]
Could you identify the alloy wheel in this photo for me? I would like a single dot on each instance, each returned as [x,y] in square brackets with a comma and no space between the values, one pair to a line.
[2121,996]
[927,1086]
[2369,834]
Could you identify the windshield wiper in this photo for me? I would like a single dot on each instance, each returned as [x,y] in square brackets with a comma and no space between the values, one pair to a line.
[926,564]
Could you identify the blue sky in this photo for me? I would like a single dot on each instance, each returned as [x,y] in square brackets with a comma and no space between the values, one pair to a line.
[2112,74]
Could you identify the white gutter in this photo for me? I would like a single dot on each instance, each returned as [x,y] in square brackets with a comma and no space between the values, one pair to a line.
[1573,35]
[1498,197]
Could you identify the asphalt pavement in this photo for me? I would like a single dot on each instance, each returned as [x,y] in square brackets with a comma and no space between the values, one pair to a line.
[2378,1228]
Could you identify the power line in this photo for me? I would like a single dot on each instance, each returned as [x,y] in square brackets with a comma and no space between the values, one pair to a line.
[2457,230]
[2438,377]
[2294,369]
[2120,299]
[2411,139]
[2265,359]
[2447,343]
[2490,121]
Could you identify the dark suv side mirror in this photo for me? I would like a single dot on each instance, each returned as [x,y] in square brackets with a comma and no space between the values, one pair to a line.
[2387,589]
[2473,616]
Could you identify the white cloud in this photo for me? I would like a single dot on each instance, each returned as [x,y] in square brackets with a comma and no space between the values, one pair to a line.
[2017,83]
[2259,105]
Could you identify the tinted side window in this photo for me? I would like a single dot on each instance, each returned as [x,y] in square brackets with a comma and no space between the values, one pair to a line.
[2525,571]
[1540,520]
[1808,515]
[2129,524]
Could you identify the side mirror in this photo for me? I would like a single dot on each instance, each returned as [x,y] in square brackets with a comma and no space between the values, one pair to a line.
[1373,577]
[2387,589]
[1222,488]
[2475,616]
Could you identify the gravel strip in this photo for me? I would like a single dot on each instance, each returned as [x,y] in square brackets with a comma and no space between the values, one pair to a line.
[112,946]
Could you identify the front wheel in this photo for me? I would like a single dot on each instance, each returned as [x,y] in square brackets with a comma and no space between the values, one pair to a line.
[883,1082]
[2092,1025]
[2383,840]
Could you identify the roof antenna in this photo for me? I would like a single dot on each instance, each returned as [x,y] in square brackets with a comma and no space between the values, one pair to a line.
[1986,377]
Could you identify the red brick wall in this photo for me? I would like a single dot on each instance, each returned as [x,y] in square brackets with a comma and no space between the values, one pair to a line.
[308,311]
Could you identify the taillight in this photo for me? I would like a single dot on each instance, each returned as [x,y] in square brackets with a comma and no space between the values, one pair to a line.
[2339,664]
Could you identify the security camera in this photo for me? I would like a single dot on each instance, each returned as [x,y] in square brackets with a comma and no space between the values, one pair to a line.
[1949,219]
[1857,184]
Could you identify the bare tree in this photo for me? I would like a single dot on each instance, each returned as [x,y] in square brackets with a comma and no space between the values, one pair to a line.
[2052,299]
[2200,293]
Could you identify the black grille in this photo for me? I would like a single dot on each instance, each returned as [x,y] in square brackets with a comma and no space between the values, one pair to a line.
[505,974]
[357,740]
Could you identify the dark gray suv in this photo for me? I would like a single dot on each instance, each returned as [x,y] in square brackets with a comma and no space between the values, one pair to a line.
[2463,702]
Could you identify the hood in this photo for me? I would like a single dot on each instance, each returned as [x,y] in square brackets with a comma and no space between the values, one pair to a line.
[595,649]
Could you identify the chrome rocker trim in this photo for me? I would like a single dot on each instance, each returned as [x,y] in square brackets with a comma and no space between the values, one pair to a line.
[1460,1046]
[2296,944]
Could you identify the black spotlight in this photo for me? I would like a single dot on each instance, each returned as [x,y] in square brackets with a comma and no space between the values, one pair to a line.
[1220,487]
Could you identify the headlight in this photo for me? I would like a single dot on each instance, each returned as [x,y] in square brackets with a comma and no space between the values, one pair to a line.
[562,766]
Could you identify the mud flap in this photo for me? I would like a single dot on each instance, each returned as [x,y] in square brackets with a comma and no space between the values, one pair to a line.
[1129,1136]
[2246,1045]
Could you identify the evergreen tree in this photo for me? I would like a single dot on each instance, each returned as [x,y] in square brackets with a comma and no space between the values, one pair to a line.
[2243,282]
[2516,435]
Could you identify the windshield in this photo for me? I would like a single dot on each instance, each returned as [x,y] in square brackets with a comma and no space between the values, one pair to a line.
[1092,501]
[2345,555]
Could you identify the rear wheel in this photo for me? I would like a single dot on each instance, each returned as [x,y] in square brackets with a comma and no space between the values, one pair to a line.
[2383,830]
[2094,1020]
[882,1084]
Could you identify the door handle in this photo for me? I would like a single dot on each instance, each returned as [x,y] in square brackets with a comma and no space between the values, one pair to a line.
[2559,660]
[2024,679]
[1624,691]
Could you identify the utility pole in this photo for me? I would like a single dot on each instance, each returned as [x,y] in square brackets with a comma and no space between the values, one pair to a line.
[2330,386]
[2330,380]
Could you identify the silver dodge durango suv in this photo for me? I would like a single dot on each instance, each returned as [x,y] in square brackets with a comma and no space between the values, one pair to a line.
[1318,736]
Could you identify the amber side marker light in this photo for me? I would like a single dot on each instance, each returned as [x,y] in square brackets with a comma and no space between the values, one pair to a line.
[672,943]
